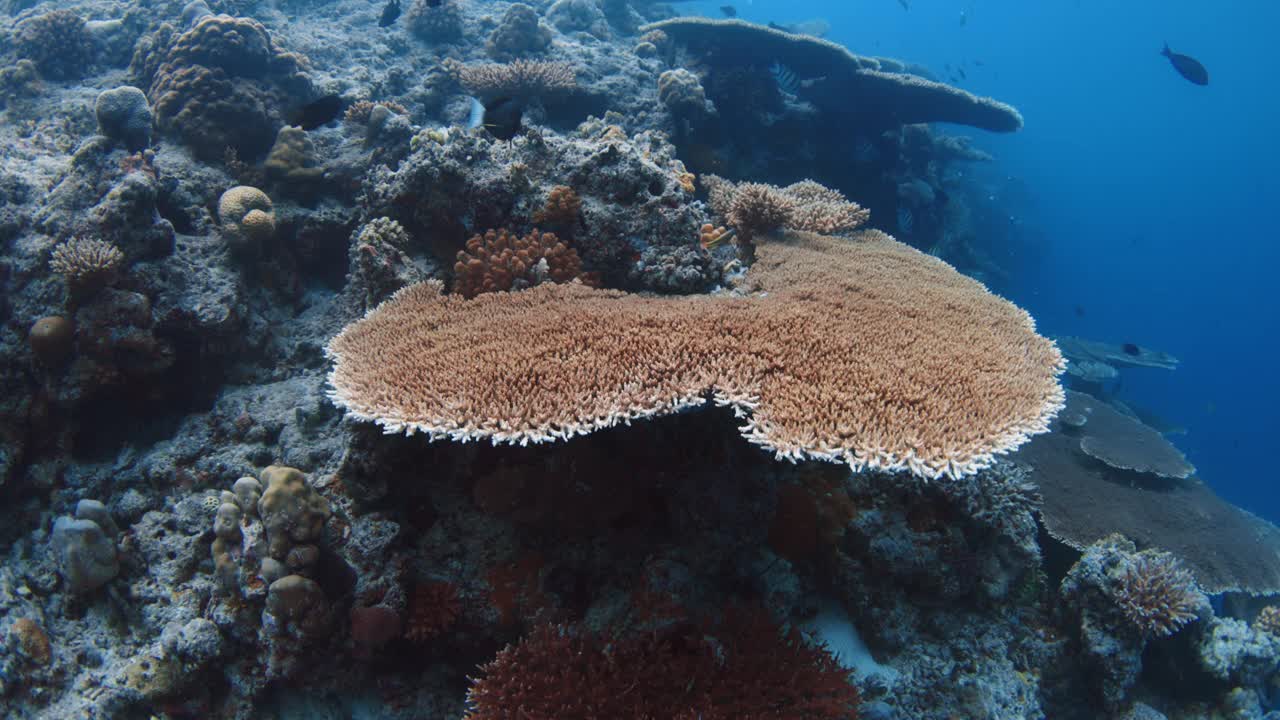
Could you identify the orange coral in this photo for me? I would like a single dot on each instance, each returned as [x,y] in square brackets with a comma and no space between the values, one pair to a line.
[31,640]
[433,609]
[500,260]
[563,205]
[711,237]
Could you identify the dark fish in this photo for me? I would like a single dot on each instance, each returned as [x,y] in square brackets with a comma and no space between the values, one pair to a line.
[316,113]
[729,11]
[500,116]
[904,4]
[1131,349]
[1187,66]
[962,75]
[390,13]
[435,3]
[964,18]
[1080,311]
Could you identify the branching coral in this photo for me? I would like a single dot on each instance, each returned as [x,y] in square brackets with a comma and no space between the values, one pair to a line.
[87,265]
[757,208]
[1157,594]
[500,260]
[861,351]
[521,78]
[742,667]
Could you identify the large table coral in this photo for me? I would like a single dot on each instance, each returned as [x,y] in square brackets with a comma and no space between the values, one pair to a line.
[862,351]
[877,91]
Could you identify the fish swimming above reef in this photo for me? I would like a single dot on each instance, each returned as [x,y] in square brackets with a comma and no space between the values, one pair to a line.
[1187,66]
[729,11]
[316,113]
[500,116]
[390,13]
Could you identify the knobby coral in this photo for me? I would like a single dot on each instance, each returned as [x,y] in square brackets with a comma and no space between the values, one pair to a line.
[743,667]
[1157,594]
[500,260]
[862,351]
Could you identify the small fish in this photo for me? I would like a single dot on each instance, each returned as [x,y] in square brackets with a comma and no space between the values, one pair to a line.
[1080,312]
[964,18]
[1187,66]
[1131,349]
[729,11]
[904,4]
[500,116]
[960,70]
[390,13]
[316,113]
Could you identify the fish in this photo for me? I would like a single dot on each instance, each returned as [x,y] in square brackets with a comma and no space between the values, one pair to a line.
[904,4]
[729,11]
[500,116]
[390,13]
[1080,311]
[1131,349]
[316,113]
[962,75]
[1187,66]
[964,18]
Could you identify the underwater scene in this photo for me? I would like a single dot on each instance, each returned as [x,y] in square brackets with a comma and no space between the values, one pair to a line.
[638,360]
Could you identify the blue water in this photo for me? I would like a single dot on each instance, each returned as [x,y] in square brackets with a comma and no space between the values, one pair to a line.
[1154,199]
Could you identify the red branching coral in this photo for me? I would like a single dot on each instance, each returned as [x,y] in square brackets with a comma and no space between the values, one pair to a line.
[433,609]
[500,260]
[743,667]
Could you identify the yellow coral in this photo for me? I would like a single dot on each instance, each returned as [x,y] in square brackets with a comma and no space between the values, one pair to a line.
[246,214]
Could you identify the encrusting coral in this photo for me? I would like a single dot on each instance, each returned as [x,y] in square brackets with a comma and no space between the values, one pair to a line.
[500,260]
[861,351]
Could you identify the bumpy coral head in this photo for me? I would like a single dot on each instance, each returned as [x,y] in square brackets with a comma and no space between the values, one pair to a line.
[246,215]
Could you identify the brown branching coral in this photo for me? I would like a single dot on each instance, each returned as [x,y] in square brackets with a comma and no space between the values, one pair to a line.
[87,265]
[1157,594]
[562,208]
[757,208]
[862,351]
[500,260]
[742,667]
[521,78]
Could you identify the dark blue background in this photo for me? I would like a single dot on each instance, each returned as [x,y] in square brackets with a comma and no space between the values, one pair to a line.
[1155,204]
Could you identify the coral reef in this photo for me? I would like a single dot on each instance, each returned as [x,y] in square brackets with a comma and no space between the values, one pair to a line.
[87,265]
[434,21]
[247,216]
[520,32]
[58,42]
[520,78]
[758,208]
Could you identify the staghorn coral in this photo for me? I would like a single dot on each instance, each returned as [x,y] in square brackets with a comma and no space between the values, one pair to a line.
[562,207]
[87,265]
[500,260]
[757,208]
[1157,594]
[742,667]
[57,42]
[521,78]
[864,351]
[520,32]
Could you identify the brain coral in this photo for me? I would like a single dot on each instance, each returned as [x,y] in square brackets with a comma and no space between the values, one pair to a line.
[224,84]
[862,351]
